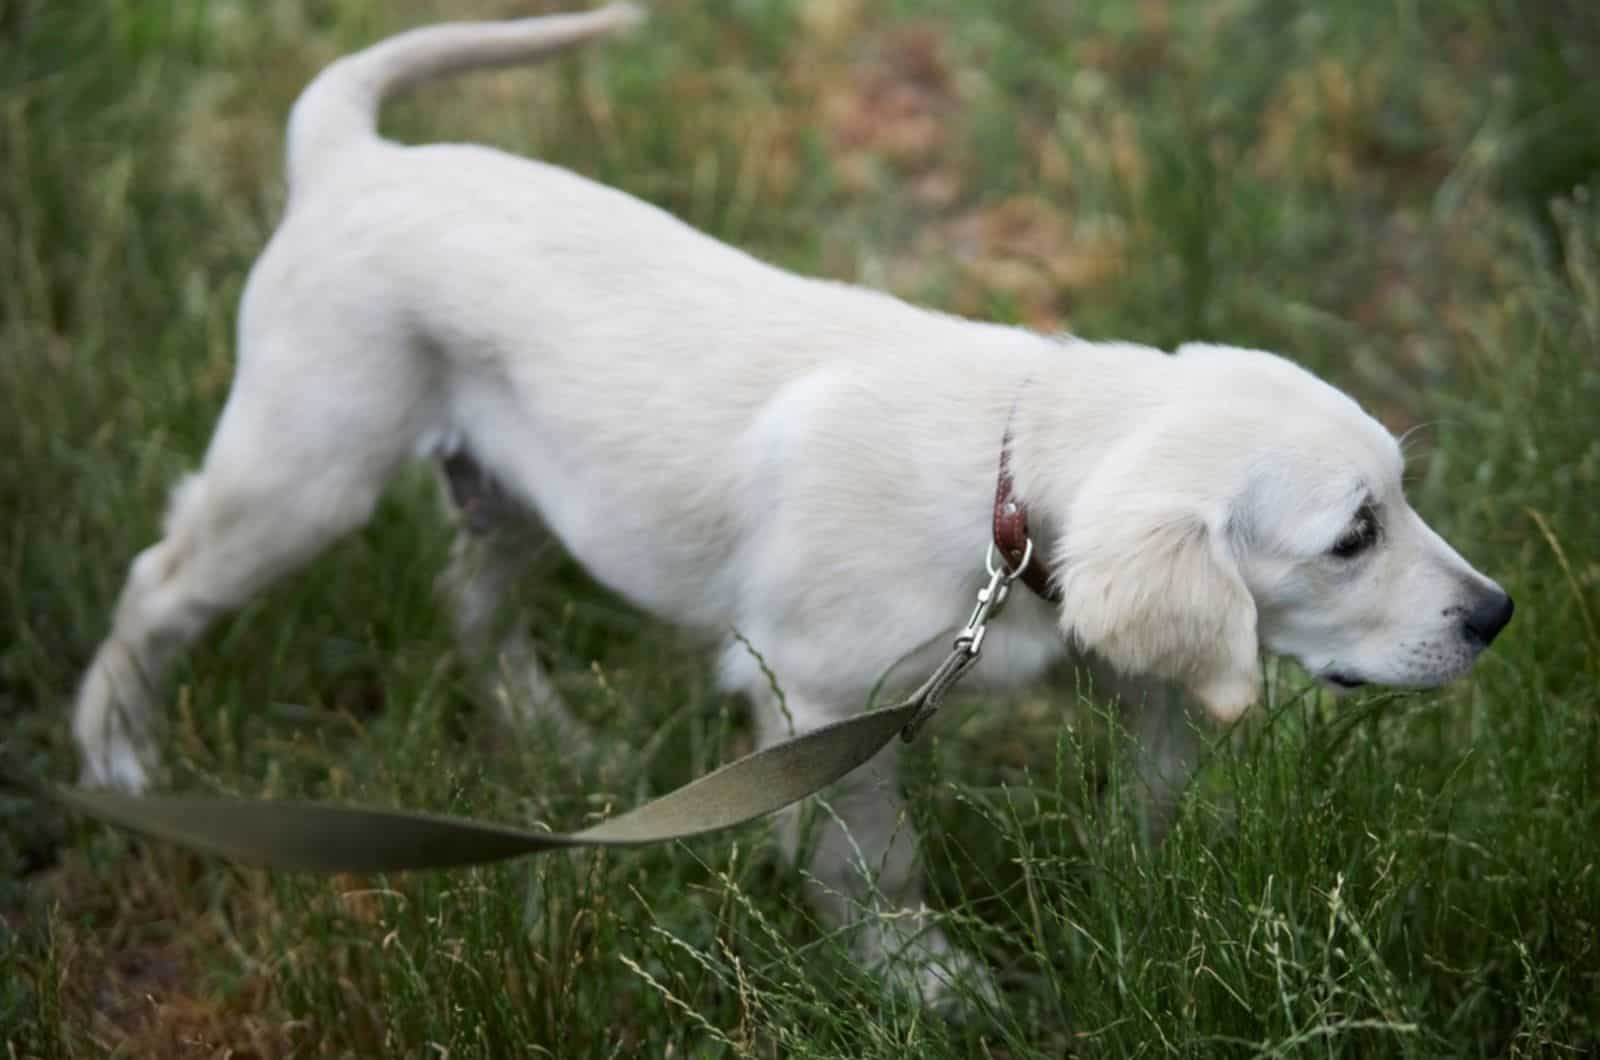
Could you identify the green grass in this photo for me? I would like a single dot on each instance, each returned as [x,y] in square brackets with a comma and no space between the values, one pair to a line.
[1398,195]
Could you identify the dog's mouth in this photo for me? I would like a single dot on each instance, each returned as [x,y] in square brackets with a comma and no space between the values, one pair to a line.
[1341,680]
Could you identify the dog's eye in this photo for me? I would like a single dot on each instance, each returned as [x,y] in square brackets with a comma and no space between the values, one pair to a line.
[1363,533]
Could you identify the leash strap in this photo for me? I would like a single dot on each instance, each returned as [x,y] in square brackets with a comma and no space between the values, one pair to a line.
[327,837]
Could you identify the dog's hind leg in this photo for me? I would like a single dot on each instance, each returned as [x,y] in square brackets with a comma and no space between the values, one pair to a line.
[496,540]
[289,470]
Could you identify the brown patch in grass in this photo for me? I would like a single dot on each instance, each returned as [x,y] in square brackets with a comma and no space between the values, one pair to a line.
[831,23]
[1033,252]
[1319,123]
[128,951]
[897,103]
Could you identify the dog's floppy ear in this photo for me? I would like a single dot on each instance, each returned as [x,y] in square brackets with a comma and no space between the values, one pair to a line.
[1150,585]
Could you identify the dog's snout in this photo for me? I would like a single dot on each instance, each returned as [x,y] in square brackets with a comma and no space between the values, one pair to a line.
[1486,618]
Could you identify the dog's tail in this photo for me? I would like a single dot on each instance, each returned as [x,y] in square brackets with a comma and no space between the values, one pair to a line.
[340,107]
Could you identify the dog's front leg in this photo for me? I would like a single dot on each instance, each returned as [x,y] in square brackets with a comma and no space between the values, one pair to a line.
[858,850]
[1165,744]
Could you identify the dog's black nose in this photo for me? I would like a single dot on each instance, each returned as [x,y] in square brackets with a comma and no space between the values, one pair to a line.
[1488,617]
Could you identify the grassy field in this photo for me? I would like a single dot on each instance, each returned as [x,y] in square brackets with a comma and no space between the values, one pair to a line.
[1393,193]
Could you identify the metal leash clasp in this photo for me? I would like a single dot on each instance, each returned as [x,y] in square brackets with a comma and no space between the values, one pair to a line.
[969,642]
[991,598]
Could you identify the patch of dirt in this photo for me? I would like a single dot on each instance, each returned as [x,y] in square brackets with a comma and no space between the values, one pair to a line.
[126,951]
[895,104]
[1031,251]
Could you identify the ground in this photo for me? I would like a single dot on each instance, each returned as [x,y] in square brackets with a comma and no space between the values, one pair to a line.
[1398,195]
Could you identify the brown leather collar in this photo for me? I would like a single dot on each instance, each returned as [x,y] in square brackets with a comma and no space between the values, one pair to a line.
[1011,531]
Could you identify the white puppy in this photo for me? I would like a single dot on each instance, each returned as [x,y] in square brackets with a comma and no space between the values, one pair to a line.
[736,448]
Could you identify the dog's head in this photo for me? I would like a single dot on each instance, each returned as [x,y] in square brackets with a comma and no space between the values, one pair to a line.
[1262,509]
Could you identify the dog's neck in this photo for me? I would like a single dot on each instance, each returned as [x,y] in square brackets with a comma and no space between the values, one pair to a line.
[1059,430]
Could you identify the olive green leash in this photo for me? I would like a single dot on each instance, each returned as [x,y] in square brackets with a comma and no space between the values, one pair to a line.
[327,837]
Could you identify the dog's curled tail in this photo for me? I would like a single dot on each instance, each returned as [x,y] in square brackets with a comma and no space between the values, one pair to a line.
[340,106]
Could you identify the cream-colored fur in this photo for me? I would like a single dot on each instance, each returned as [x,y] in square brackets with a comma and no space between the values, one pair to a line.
[736,448]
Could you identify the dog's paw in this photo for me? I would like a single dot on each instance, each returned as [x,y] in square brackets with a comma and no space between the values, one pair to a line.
[110,756]
[117,765]
[923,965]
[118,768]
[111,725]
[955,984]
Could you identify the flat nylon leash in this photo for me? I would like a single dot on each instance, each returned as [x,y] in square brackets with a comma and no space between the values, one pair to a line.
[328,837]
